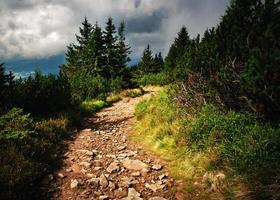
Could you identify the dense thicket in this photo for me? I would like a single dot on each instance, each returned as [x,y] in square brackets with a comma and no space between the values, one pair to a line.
[240,57]
[97,63]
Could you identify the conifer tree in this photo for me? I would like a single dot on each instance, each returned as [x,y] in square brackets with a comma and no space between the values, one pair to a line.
[123,51]
[147,61]
[177,49]
[158,63]
[110,49]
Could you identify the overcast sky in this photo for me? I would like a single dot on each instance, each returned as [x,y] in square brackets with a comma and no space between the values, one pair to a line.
[35,29]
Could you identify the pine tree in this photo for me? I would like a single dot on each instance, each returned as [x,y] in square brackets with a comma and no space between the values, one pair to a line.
[177,49]
[158,63]
[146,64]
[97,51]
[123,51]
[78,56]
[110,49]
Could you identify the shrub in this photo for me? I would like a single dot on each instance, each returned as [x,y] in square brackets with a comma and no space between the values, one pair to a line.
[162,78]
[26,149]
[90,106]
[136,92]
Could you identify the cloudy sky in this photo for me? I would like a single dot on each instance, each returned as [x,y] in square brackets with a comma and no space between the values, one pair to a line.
[37,31]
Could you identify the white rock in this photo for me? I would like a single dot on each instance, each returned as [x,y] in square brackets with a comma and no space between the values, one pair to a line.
[157,167]
[134,164]
[157,198]
[74,183]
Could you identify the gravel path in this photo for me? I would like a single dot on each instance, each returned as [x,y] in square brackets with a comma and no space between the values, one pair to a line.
[102,163]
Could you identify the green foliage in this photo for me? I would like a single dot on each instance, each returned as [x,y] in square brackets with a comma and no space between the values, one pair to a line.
[241,142]
[177,50]
[136,92]
[27,147]
[240,56]
[91,106]
[162,78]
[42,94]
[15,125]
[84,86]
[98,63]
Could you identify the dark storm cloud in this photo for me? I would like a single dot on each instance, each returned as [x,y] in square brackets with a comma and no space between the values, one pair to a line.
[42,28]
[148,23]
[137,3]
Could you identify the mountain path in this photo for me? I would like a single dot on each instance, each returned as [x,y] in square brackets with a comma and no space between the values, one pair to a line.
[103,163]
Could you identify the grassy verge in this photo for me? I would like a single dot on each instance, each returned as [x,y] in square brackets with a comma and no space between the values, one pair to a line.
[93,105]
[219,154]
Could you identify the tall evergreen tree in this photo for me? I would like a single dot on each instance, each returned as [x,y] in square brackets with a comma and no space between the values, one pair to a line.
[123,51]
[158,63]
[97,50]
[147,61]
[110,49]
[177,49]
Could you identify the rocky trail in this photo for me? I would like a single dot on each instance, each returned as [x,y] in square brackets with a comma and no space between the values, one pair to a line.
[102,163]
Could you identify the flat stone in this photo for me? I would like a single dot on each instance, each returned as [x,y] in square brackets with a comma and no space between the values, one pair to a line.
[154,187]
[163,176]
[120,148]
[74,183]
[97,168]
[157,198]
[93,182]
[103,181]
[134,164]
[136,174]
[85,152]
[133,193]
[86,130]
[157,167]
[60,175]
[85,164]
[128,181]
[112,185]
[103,197]
[113,167]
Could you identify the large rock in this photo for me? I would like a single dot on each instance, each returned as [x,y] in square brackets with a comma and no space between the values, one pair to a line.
[113,167]
[132,195]
[74,184]
[136,165]
[157,198]
[154,187]
[128,181]
[157,167]
[103,181]
[85,164]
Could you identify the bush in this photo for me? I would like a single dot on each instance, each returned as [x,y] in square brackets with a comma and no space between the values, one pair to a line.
[40,94]
[27,148]
[91,106]
[162,78]
[84,86]
[136,92]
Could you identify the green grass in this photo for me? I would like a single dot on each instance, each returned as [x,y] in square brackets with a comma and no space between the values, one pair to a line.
[214,141]
[92,105]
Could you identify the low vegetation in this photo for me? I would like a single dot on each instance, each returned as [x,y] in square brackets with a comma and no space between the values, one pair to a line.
[211,141]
